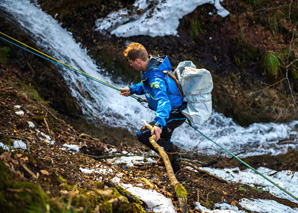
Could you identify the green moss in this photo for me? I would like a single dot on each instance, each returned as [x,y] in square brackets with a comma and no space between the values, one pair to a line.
[241,189]
[271,62]
[6,140]
[256,189]
[5,177]
[4,55]
[129,208]
[67,187]
[99,185]
[25,196]
[290,59]
[181,191]
[33,93]
[207,204]
[106,207]
[61,179]
[82,200]
[195,29]
[294,74]
[128,195]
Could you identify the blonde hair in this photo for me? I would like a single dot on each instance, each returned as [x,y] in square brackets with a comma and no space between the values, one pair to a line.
[135,50]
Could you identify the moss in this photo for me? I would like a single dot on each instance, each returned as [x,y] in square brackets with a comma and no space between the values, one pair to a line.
[81,200]
[207,204]
[61,179]
[5,177]
[246,52]
[67,187]
[271,62]
[28,197]
[6,140]
[181,191]
[129,208]
[128,195]
[294,74]
[106,207]
[195,30]
[99,185]
[33,93]
[4,55]
[256,189]
[241,189]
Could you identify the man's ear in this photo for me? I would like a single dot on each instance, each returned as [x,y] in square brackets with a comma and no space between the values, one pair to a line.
[138,60]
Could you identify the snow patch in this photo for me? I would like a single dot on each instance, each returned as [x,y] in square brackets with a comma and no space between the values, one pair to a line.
[31,124]
[72,147]
[132,160]
[204,209]
[21,112]
[258,205]
[19,144]
[45,137]
[104,170]
[4,147]
[153,17]
[286,179]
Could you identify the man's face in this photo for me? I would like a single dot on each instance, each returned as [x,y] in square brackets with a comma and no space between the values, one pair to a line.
[135,64]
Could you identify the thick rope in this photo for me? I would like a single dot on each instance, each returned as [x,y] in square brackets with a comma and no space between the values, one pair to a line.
[55,61]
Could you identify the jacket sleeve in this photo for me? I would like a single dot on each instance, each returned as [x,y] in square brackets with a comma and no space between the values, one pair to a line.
[137,89]
[163,104]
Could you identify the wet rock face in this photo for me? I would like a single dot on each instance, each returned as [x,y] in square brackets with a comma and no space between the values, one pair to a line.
[57,6]
[239,82]
[43,75]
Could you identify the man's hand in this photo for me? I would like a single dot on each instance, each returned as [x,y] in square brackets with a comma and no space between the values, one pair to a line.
[157,131]
[125,91]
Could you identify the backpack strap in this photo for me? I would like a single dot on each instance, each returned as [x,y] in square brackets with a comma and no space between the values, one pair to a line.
[176,81]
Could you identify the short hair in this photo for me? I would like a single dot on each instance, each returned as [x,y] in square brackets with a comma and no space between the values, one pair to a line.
[135,50]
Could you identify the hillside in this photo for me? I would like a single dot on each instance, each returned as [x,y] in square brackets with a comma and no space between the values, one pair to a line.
[54,160]
[44,161]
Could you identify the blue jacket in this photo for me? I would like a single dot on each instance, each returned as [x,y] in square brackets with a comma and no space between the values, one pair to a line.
[160,90]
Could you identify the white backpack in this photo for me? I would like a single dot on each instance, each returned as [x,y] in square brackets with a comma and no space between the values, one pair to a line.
[196,86]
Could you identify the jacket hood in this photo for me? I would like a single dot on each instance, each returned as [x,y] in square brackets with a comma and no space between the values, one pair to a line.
[157,63]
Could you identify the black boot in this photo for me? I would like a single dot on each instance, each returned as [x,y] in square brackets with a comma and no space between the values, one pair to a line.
[174,158]
[176,163]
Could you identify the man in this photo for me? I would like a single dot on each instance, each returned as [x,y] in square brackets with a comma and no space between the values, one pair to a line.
[162,95]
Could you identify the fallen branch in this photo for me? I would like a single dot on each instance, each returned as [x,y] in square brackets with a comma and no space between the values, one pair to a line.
[179,189]
[205,172]
[199,162]
[30,172]
[100,157]
[46,123]
[147,182]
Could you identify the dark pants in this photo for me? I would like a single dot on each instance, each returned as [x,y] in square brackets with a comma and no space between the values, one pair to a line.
[176,118]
